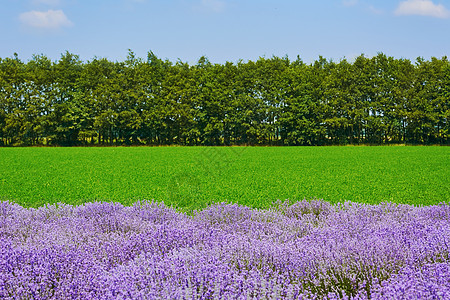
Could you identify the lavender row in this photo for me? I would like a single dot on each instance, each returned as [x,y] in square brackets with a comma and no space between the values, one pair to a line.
[304,250]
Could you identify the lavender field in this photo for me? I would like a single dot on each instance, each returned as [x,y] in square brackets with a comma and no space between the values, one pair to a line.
[302,250]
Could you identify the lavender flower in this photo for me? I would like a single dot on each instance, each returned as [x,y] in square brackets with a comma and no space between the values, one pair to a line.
[303,250]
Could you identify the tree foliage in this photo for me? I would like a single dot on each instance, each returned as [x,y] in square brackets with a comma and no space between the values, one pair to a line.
[271,101]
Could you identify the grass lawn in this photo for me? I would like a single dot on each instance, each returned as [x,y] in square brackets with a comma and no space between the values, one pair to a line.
[193,177]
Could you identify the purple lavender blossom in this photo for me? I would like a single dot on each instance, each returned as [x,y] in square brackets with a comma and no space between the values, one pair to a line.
[304,250]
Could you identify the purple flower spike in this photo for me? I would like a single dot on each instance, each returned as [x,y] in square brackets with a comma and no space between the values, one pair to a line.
[303,250]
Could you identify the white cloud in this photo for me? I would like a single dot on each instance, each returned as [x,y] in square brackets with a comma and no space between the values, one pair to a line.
[214,5]
[350,2]
[51,19]
[422,8]
[375,10]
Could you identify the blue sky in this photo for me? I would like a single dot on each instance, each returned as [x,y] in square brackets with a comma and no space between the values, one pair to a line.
[225,30]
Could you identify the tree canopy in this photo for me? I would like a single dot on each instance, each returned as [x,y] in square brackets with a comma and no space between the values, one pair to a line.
[271,101]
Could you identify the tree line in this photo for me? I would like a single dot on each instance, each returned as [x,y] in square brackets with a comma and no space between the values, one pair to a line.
[271,101]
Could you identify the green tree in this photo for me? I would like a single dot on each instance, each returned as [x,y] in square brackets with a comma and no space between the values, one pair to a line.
[65,116]
[13,99]
[267,102]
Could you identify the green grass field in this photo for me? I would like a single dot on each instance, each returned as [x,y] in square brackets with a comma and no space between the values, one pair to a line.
[192,177]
